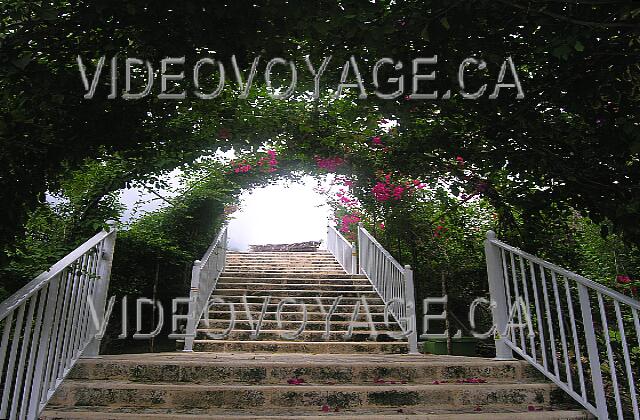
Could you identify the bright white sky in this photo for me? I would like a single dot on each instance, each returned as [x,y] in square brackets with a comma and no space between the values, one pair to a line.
[286,212]
[279,214]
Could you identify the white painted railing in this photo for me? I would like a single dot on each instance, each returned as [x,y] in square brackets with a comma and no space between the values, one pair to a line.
[48,325]
[344,251]
[204,277]
[393,283]
[583,336]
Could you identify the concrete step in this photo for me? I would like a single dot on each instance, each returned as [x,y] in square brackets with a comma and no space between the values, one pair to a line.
[293,325]
[278,274]
[231,396]
[308,347]
[286,273]
[345,315]
[318,369]
[295,280]
[316,252]
[293,286]
[292,292]
[311,263]
[107,413]
[358,334]
[327,301]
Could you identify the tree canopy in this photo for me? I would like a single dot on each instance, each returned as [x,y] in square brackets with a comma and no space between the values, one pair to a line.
[573,141]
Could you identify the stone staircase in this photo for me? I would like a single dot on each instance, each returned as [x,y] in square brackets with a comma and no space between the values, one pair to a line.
[361,376]
[312,278]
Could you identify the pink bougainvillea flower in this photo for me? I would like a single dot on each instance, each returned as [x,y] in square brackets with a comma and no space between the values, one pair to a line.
[329,164]
[623,279]
[295,381]
[460,160]
[439,230]
[377,141]
[382,225]
[397,192]
[381,192]
[325,408]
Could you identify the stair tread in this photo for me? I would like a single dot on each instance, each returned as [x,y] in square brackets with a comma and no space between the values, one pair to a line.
[98,412]
[286,358]
[509,413]
[124,384]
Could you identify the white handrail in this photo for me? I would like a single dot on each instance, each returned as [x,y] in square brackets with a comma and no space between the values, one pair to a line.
[344,251]
[544,313]
[204,277]
[48,325]
[393,283]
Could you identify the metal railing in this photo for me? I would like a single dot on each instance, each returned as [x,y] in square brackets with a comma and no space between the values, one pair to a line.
[50,323]
[393,283]
[204,277]
[344,251]
[578,333]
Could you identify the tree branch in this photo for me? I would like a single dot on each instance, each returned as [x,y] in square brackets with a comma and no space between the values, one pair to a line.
[558,16]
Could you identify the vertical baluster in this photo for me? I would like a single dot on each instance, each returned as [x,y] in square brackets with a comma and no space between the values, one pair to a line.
[563,336]
[6,392]
[37,386]
[57,319]
[507,287]
[66,337]
[529,319]
[82,304]
[8,322]
[612,366]
[540,317]
[593,352]
[576,344]
[71,348]
[86,315]
[517,298]
[552,338]
[24,349]
[42,294]
[627,361]
[66,303]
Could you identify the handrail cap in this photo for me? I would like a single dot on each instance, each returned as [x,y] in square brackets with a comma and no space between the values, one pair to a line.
[491,234]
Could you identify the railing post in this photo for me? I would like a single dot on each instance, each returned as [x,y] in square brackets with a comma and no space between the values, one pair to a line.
[362,249]
[500,309]
[592,351]
[101,289]
[354,258]
[410,304]
[190,333]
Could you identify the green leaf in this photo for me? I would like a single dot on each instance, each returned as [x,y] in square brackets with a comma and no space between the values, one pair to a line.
[22,62]
[562,51]
[424,34]
[578,46]
[47,13]
[445,23]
